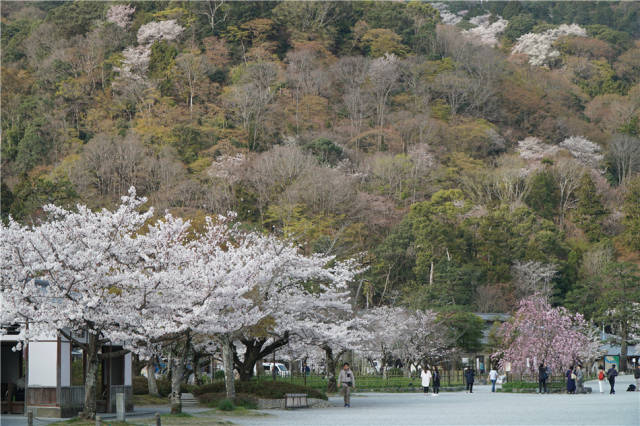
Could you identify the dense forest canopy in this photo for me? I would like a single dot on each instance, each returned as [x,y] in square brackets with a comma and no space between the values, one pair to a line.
[476,152]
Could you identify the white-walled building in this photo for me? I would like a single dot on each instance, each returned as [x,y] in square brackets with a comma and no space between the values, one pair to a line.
[47,377]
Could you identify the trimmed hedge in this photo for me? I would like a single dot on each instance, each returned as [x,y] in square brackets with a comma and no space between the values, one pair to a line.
[261,389]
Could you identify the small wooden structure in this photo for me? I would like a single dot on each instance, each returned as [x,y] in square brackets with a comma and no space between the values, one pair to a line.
[47,378]
[295,400]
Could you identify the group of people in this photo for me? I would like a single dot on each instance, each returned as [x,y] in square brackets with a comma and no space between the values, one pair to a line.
[427,376]
[575,379]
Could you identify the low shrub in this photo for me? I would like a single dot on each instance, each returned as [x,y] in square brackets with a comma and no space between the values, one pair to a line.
[261,389]
[140,385]
[226,405]
[241,400]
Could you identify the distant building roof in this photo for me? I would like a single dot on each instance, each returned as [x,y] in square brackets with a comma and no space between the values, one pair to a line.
[493,316]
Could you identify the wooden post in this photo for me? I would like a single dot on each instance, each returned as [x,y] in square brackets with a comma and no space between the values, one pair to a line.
[30,418]
[158,422]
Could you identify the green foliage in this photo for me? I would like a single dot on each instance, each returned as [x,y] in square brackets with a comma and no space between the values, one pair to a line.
[162,59]
[466,328]
[380,41]
[324,150]
[631,209]
[77,17]
[598,78]
[32,193]
[589,210]
[519,25]
[620,39]
[544,195]
[226,405]
[14,35]
[189,141]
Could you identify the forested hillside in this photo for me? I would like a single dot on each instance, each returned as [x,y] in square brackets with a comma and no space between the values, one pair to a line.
[473,153]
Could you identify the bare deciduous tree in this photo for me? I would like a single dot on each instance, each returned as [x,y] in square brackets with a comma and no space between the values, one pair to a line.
[383,78]
[250,100]
[304,76]
[624,151]
[351,74]
[192,67]
[533,278]
[567,173]
[272,172]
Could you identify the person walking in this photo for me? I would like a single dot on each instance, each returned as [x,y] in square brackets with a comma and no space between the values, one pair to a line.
[346,381]
[580,379]
[571,380]
[542,378]
[436,381]
[426,375]
[611,376]
[636,375]
[469,375]
[601,376]
[493,377]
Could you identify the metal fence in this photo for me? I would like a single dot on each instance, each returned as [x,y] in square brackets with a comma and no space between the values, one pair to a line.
[367,381]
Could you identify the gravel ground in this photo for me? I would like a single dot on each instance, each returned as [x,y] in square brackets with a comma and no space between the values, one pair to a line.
[480,408]
[450,408]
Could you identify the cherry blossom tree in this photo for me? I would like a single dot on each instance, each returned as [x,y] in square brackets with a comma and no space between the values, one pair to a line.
[540,333]
[389,328]
[71,274]
[485,32]
[156,31]
[428,342]
[120,15]
[585,151]
[539,47]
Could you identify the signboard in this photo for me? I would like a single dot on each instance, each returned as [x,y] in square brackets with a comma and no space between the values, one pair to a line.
[609,360]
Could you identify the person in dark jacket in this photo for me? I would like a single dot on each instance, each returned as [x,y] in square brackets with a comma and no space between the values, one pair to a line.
[542,378]
[470,375]
[611,375]
[436,381]
[571,380]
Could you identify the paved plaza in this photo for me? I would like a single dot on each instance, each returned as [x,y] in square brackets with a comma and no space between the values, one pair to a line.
[449,408]
[480,408]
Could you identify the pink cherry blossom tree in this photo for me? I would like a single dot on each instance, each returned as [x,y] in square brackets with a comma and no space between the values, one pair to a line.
[540,333]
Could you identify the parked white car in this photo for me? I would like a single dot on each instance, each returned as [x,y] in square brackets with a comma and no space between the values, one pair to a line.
[281,369]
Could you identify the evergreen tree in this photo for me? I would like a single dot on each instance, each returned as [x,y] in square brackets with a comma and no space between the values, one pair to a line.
[589,210]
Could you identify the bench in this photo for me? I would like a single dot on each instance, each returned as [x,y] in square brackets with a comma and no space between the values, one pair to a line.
[295,400]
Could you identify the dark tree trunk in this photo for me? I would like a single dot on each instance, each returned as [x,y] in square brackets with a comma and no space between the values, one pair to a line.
[227,360]
[177,372]
[152,384]
[90,380]
[624,348]
[332,385]
[255,350]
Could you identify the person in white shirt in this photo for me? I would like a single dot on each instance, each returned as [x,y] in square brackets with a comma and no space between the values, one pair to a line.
[493,376]
[425,375]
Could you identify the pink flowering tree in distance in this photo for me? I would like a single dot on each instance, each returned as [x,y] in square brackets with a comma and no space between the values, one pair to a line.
[540,333]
